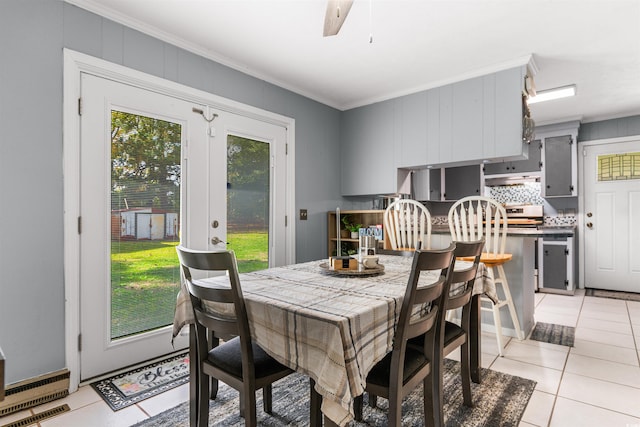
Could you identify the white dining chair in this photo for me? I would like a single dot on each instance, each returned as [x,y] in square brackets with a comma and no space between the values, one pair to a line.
[408,225]
[477,217]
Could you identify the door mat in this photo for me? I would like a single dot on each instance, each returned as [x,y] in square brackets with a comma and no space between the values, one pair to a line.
[142,383]
[627,296]
[498,401]
[553,334]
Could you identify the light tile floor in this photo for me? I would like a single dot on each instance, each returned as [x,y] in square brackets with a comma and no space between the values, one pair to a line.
[595,383]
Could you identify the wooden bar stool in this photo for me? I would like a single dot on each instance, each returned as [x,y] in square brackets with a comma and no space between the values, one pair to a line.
[477,217]
[408,225]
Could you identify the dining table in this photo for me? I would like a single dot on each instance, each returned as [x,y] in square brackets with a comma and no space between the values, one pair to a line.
[332,326]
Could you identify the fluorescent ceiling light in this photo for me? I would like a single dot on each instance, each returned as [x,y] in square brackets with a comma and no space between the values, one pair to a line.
[550,94]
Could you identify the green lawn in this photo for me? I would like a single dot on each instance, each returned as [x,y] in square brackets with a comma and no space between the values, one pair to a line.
[145,279]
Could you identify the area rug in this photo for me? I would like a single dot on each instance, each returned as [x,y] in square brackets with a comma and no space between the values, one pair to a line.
[627,296]
[499,401]
[554,334]
[139,384]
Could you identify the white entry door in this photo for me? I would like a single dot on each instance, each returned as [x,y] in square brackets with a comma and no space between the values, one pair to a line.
[611,211]
[155,173]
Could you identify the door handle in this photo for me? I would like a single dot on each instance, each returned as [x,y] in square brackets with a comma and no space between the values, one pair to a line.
[590,224]
[215,240]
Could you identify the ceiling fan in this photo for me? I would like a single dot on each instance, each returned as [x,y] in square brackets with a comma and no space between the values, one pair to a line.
[337,11]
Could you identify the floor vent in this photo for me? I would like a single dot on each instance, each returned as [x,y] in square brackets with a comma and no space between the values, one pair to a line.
[33,419]
[35,391]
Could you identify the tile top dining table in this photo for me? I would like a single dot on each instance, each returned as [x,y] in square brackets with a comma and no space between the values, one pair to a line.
[333,328]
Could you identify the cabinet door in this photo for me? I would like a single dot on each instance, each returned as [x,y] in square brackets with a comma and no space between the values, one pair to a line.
[461,181]
[558,165]
[554,267]
[367,160]
[467,120]
[435,184]
[532,164]
[497,168]
[413,129]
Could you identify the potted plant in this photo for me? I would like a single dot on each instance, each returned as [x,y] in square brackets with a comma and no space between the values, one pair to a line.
[352,227]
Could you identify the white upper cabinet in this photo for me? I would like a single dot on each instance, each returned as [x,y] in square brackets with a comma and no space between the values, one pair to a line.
[459,123]
[367,160]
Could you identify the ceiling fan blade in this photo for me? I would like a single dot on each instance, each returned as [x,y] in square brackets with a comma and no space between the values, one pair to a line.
[337,11]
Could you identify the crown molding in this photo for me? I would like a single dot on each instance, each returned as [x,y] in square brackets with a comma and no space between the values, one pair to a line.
[199,50]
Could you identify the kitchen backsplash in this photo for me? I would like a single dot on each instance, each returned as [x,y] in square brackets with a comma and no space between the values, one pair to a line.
[522,194]
[560,221]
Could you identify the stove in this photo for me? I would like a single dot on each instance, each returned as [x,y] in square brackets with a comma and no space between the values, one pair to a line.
[524,216]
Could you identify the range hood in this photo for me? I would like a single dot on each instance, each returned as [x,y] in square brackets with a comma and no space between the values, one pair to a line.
[502,180]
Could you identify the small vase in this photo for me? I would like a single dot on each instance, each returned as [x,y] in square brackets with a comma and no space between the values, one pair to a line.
[354,234]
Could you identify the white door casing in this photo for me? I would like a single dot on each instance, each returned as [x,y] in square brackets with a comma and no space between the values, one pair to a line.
[610,230]
[74,65]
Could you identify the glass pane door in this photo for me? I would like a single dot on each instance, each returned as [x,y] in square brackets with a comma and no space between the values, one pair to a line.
[248,201]
[133,179]
[145,209]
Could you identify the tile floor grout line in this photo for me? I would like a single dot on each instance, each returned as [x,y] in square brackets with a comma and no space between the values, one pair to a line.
[564,368]
[633,335]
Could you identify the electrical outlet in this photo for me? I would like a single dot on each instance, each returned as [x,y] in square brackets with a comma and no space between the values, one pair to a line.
[303,214]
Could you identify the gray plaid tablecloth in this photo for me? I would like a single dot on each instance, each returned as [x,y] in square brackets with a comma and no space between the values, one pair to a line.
[330,327]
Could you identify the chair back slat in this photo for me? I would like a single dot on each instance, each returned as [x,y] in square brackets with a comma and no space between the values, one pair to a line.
[475,218]
[408,225]
[432,296]
[217,307]
[462,280]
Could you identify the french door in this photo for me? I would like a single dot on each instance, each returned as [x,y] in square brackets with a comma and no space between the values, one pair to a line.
[611,211]
[156,171]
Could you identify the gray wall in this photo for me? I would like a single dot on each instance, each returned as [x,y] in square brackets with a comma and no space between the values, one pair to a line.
[33,34]
[613,128]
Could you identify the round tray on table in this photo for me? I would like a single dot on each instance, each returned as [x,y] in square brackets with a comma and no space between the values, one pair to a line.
[361,271]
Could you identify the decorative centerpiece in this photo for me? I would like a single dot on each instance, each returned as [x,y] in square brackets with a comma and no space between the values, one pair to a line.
[352,227]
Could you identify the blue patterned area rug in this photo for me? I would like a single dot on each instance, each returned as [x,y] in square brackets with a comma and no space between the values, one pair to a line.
[554,334]
[139,384]
[499,401]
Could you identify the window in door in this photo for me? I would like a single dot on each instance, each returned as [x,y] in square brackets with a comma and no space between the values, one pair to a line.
[248,201]
[145,208]
[616,167]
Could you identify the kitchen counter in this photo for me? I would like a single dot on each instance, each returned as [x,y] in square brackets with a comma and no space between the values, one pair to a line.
[520,271]
[545,230]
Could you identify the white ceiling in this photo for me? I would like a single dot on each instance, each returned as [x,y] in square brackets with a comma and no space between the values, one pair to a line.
[417,44]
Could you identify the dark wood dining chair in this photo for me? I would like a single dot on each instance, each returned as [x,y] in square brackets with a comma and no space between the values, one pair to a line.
[405,367]
[455,336]
[220,314]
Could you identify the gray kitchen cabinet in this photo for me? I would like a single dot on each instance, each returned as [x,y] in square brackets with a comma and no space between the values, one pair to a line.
[556,264]
[532,164]
[426,184]
[450,183]
[559,152]
[411,111]
[367,157]
[459,123]
[461,181]
[468,121]
[559,159]
[472,120]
